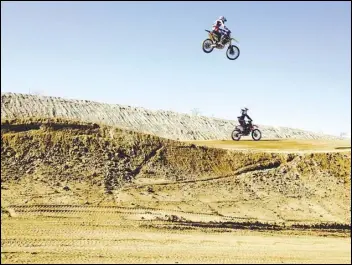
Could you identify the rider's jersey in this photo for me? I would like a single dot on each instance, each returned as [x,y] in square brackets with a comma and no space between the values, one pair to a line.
[217,24]
[243,116]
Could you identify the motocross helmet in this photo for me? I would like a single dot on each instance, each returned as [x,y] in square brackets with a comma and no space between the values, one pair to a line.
[244,110]
[223,19]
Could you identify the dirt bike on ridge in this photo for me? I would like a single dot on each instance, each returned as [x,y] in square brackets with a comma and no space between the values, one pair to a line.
[232,52]
[250,129]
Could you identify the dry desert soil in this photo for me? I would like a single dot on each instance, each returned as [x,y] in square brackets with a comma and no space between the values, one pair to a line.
[78,192]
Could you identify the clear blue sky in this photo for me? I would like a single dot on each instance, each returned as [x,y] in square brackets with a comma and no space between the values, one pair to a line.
[294,69]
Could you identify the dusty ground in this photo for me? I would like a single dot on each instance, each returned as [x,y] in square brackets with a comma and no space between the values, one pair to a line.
[79,192]
[281,145]
[117,235]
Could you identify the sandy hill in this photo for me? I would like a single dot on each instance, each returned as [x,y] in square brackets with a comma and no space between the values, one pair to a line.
[65,162]
[166,124]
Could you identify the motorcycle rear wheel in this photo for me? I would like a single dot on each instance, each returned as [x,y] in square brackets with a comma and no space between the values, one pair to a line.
[236,135]
[207,48]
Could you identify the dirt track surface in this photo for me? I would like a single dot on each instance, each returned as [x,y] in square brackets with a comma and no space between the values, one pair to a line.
[280,145]
[54,234]
[88,193]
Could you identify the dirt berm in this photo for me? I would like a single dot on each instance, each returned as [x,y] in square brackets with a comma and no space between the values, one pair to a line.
[61,162]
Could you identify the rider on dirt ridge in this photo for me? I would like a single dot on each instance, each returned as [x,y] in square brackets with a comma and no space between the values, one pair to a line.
[241,119]
[216,28]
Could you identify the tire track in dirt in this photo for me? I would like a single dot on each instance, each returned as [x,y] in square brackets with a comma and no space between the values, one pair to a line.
[97,210]
[174,215]
[68,242]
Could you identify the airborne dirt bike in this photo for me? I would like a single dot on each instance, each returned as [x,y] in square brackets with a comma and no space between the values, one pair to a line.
[232,52]
[250,129]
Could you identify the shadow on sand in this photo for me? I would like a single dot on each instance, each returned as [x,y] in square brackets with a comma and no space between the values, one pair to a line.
[262,140]
[343,147]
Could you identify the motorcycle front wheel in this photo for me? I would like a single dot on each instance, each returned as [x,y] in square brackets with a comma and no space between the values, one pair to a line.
[256,135]
[207,48]
[232,52]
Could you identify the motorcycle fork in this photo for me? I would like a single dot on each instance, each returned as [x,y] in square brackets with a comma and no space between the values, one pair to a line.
[231,48]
